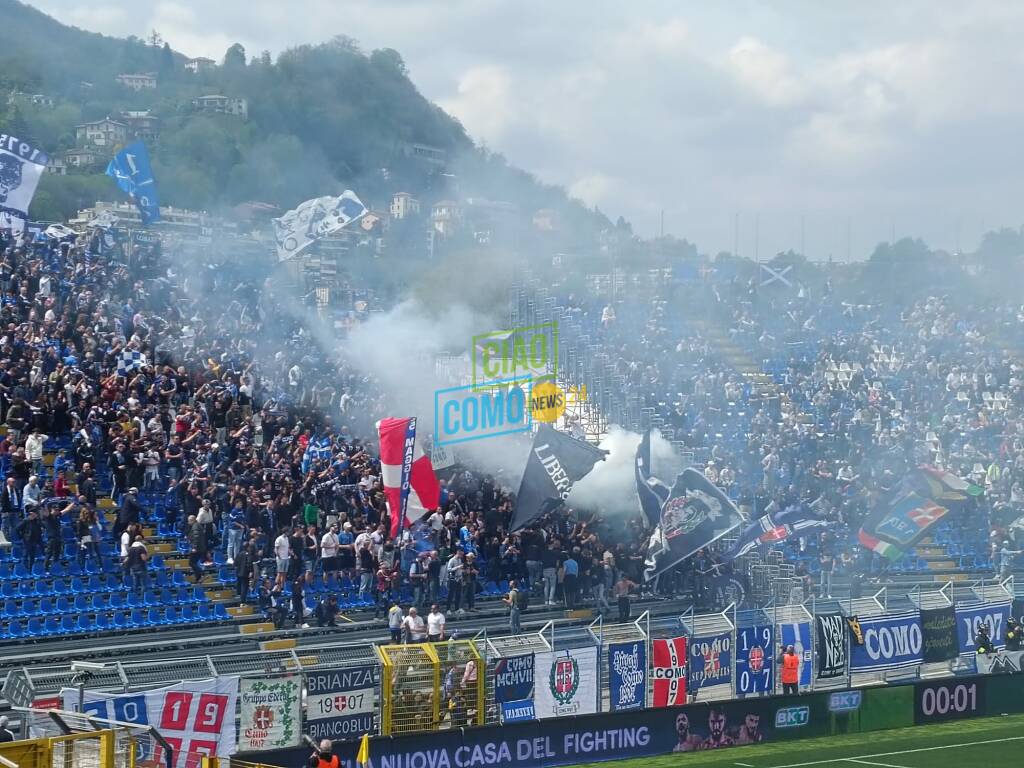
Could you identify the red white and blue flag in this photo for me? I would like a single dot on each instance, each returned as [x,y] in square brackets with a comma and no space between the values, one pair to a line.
[410,485]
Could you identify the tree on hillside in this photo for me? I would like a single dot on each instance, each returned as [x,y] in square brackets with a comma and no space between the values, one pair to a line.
[234,58]
[388,60]
[166,69]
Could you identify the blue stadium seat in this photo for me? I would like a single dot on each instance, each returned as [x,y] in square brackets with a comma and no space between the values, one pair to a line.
[46,606]
[6,571]
[138,618]
[58,568]
[21,572]
[102,622]
[15,629]
[135,600]
[179,579]
[36,627]
[199,594]
[63,605]
[154,618]
[119,619]
[86,623]
[83,603]
[27,588]
[188,614]
[30,608]
[99,601]
[170,615]
[59,587]
[68,624]
[79,585]
[10,610]
[152,598]
[52,626]
[39,569]
[9,589]
[206,612]
[221,611]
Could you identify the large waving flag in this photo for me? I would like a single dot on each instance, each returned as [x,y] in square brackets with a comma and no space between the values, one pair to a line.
[556,462]
[694,515]
[21,167]
[131,170]
[651,492]
[897,526]
[772,528]
[410,485]
[314,219]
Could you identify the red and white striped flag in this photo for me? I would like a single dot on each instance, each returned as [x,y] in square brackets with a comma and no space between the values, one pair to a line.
[410,485]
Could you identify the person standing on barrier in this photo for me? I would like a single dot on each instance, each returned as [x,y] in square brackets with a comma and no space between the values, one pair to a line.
[454,571]
[512,601]
[790,671]
[395,619]
[621,594]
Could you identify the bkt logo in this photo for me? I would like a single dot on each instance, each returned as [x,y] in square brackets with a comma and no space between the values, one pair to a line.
[845,701]
[792,717]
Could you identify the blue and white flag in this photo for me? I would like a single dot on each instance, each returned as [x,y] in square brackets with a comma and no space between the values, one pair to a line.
[889,642]
[313,220]
[21,167]
[131,170]
[755,649]
[970,619]
[318,448]
[130,360]
[799,636]
[627,675]
[710,661]
[772,528]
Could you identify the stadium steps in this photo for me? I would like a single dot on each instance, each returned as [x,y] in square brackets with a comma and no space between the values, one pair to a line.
[256,628]
[222,595]
[240,611]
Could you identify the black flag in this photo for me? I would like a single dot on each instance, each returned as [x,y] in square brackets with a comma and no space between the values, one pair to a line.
[694,514]
[556,462]
[651,491]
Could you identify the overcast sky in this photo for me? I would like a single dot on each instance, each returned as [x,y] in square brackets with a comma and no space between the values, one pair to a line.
[797,119]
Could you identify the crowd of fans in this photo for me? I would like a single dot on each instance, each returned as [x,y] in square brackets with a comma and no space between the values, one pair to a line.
[200,401]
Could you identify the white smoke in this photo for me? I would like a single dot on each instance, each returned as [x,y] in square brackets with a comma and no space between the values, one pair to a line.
[611,486]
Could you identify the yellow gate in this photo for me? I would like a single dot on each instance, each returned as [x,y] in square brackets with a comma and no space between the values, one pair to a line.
[430,686]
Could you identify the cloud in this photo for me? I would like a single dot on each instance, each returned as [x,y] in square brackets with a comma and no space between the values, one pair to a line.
[815,111]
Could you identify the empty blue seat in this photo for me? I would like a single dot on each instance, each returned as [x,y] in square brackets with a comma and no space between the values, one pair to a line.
[52,626]
[117,600]
[30,608]
[63,605]
[21,572]
[39,569]
[86,623]
[183,595]
[157,563]
[83,603]
[206,612]
[46,606]
[138,618]
[221,611]
[36,627]
[154,617]
[59,587]
[58,569]
[179,579]
[15,629]
[152,597]
[6,570]
[97,583]
[79,585]
[68,624]
[135,600]
[170,615]
[199,594]
[10,609]
[102,621]
[27,588]
[9,589]
[120,619]
[187,613]
[99,601]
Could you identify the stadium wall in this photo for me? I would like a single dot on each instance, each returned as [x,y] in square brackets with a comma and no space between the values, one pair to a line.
[649,732]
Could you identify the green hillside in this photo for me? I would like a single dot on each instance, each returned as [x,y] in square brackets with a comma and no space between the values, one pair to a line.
[320,119]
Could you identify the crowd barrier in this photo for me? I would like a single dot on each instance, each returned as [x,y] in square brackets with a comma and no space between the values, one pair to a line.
[713,725]
[727,659]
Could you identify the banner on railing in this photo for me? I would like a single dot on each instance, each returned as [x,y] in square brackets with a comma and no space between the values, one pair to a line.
[938,627]
[1000,662]
[755,647]
[567,683]
[971,619]
[195,717]
[340,703]
[831,645]
[889,642]
[627,675]
[668,669]
[513,678]
[798,634]
[710,661]
[270,713]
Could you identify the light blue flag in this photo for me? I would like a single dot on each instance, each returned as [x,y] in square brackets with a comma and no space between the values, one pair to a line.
[130,168]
